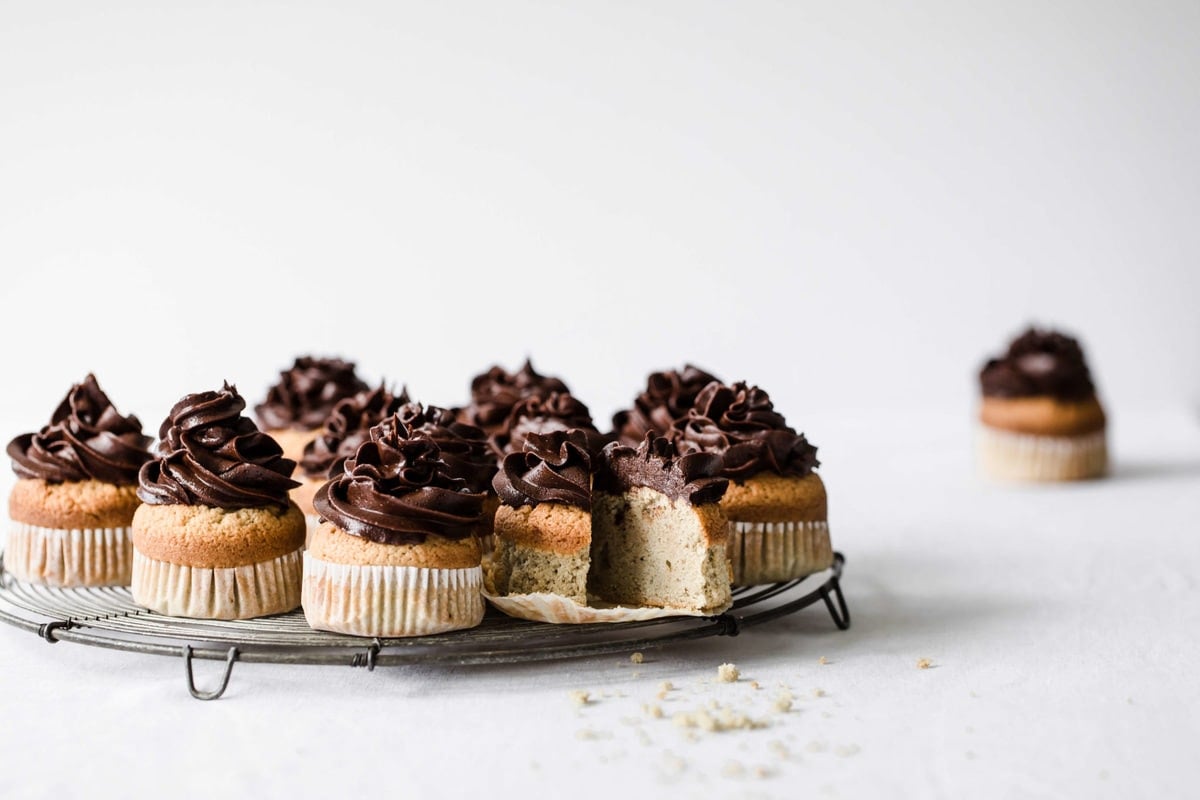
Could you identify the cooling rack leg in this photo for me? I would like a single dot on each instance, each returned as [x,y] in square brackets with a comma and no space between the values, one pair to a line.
[191,679]
[839,611]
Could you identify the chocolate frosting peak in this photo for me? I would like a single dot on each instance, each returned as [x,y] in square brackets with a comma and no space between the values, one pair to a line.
[556,411]
[465,448]
[211,455]
[553,467]
[495,392]
[741,424]
[667,397]
[307,393]
[1039,362]
[655,463]
[347,427]
[397,489]
[87,438]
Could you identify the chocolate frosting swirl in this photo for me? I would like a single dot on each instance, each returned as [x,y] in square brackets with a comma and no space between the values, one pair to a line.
[306,394]
[87,438]
[693,476]
[211,455]
[1039,362]
[554,467]
[465,448]
[667,397]
[495,392]
[741,424]
[347,427]
[396,489]
[557,411]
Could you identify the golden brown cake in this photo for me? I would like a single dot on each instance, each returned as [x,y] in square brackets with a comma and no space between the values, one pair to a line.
[71,508]
[217,537]
[296,406]
[1040,419]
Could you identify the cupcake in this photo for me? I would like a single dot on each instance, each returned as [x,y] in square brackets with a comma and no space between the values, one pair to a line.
[297,406]
[346,427]
[667,397]
[395,554]
[216,536]
[1040,419]
[495,392]
[659,535]
[544,523]
[776,504]
[556,411]
[76,493]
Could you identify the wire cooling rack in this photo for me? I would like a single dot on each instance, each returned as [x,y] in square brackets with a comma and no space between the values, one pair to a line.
[108,617]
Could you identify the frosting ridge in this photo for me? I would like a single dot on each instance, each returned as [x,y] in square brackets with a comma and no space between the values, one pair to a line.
[307,392]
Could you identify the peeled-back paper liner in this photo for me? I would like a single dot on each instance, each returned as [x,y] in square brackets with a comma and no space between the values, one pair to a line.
[545,607]
[74,557]
[768,552]
[1029,457]
[374,600]
[252,590]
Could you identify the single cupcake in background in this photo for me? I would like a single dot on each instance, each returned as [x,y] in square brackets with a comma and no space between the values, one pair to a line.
[76,493]
[346,427]
[495,392]
[776,504]
[396,553]
[556,411]
[298,404]
[544,523]
[216,536]
[667,397]
[1040,418]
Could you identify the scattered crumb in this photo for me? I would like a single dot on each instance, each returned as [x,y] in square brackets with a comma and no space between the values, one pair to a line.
[762,771]
[637,658]
[846,750]
[635,674]
[664,688]
[826,715]
[924,663]
[783,701]
[718,720]
[644,738]
[673,764]
[818,692]
[733,769]
[588,734]
[653,709]
[974,693]
[822,661]
[630,721]
[816,746]
[580,698]
[727,673]
[754,685]
[779,749]
[713,704]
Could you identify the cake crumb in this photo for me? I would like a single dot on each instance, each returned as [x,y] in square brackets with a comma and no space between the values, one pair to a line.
[727,673]
[637,658]
[673,764]
[761,771]
[816,746]
[754,685]
[822,661]
[826,715]
[783,701]
[590,734]
[818,692]
[644,738]
[664,688]
[846,750]
[779,749]
[580,698]
[717,720]
[733,769]
[653,710]
[924,663]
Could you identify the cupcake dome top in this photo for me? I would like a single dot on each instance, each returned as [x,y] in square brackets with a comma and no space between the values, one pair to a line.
[555,467]
[211,455]
[397,489]
[1039,362]
[655,464]
[495,392]
[556,411]
[464,448]
[667,397]
[740,423]
[87,439]
[307,393]
[347,427]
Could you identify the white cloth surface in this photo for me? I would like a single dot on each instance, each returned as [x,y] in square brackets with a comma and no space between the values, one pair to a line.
[1061,623]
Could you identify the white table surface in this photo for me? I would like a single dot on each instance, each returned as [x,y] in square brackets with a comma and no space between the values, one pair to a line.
[1062,623]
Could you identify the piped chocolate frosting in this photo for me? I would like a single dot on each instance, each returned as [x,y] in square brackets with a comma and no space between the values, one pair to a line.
[211,455]
[655,464]
[87,439]
[740,423]
[495,392]
[1039,362]
[667,397]
[557,411]
[347,427]
[307,393]
[397,489]
[554,467]
[465,448]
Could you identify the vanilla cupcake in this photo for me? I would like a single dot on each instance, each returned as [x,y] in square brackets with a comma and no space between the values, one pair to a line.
[396,553]
[296,407]
[667,397]
[75,496]
[1040,418]
[776,504]
[216,536]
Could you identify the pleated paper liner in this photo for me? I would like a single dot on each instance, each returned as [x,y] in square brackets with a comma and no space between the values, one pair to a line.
[67,558]
[254,590]
[769,552]
[1028,457]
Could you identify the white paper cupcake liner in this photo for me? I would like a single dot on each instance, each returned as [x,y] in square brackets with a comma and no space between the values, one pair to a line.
[373,600]
[75,557]
[1028,457]
[767,552]
[253,590]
